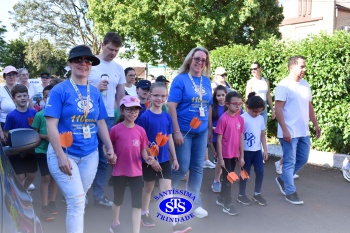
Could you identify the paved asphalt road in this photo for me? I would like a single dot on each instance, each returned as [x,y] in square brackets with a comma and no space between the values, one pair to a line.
[324,191]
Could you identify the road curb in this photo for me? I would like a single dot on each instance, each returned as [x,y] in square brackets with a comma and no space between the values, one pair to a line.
[325,159]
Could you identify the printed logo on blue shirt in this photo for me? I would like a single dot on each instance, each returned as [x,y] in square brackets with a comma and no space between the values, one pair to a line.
[249,138]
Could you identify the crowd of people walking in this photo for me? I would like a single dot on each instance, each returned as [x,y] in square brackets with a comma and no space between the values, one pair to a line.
[100,116]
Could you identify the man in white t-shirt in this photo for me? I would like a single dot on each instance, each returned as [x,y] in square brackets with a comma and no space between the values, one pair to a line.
[293,110]
[109,78]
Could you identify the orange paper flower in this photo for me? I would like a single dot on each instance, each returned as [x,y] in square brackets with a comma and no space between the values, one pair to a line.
[195,123]
[147,103]
[153,150]
[161,139]
[30,121]
[244,174]
[66,139]
[232,177]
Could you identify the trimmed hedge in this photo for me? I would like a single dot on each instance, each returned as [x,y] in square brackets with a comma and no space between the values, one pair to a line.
[328,72]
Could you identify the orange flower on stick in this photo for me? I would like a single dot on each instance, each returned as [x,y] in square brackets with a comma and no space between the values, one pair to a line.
[153,150]
[244,174]
[194,124]
[30,121]
[147,103]
[231,176]
[66,140]
[161,139]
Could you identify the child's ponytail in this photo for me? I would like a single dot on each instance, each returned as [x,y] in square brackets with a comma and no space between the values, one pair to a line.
[254,101]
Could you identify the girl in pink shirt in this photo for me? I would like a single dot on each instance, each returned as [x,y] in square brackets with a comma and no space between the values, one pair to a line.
[130,143]
[230,146]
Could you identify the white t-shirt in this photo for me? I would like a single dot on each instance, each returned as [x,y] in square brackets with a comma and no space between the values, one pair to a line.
[297,96]
[116,76]
[260,87]
[252,131]
[6,104]
[131,90]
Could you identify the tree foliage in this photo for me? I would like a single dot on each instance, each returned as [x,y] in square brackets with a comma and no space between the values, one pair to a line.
[36,56]
[45,57]
[167,30]
[3,45]
[61,21]
[327,60]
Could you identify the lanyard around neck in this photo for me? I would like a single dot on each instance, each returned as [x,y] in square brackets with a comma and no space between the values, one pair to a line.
[200,90]
[86,106]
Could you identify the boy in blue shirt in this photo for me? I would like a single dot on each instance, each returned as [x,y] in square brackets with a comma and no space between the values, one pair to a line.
[24,164]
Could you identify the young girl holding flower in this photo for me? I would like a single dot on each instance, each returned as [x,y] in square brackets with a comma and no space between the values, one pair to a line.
[129,142]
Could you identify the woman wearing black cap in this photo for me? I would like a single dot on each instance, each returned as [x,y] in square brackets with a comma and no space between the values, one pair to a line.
[77,107]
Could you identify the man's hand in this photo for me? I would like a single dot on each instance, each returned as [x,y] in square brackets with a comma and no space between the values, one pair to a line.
[103,85]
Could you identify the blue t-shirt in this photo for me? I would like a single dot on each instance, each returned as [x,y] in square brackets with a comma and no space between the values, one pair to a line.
[64,104]
[17,119]
[221,110]
[144,108]
[153,124]
[183,92]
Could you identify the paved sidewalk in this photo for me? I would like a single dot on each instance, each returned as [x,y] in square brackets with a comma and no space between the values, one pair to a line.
[327,159]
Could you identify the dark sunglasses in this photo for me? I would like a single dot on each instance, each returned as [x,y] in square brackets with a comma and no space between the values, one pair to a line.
[254,68]
[45,77]
[79,60]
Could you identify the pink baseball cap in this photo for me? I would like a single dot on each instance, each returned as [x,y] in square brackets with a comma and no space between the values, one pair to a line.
[9,69]
[130,101]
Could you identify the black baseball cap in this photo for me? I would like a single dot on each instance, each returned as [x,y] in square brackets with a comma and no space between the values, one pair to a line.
[144,84]
[83,51]
[162,78]
[44,73]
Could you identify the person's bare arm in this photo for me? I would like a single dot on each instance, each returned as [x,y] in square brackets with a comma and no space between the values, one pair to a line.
[241,150]
[248,88]
[219,150]
[120,94]
[173,152]
[178,138]
[269,100]
[54,136]
[312,117]
[104,136]
[280,118]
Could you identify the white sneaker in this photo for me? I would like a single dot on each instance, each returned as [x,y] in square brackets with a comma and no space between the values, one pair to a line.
[208,164]
[31,187]
[200,212]
[296,176]
[278,167]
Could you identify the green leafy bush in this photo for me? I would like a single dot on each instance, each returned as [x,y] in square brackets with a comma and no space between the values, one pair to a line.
[328,72]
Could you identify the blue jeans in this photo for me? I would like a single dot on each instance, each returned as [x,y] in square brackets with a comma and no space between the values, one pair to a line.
[252,158]
[101,175]
[190,156]
[74,187]
[295,156]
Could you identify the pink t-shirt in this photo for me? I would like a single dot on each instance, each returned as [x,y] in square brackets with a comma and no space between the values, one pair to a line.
[127,145]
[231,128]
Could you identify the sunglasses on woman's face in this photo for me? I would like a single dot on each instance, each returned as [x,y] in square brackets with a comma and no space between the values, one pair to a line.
[79,60]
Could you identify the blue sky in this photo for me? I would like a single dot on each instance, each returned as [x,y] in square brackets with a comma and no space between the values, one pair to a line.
[6,5]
